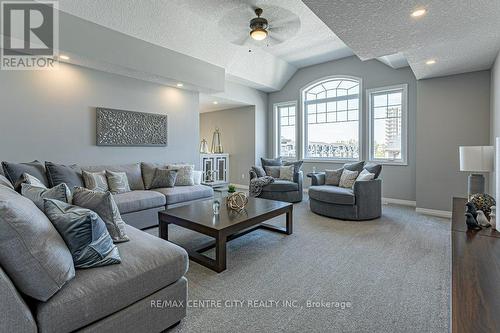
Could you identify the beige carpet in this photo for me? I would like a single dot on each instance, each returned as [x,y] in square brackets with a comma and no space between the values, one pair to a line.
[387,275]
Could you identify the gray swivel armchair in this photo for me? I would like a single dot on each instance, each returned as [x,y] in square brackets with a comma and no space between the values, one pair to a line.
[362,202]
[282,190]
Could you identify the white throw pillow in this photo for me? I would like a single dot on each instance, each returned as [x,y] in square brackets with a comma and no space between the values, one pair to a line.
[197,177]
[348,178]
[286,173]
[365,175]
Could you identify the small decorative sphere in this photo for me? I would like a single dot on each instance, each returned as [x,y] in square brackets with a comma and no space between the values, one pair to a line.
[483,201]
[237,201]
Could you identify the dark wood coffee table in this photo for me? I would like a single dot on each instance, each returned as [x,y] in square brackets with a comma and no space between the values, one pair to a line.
[228,225]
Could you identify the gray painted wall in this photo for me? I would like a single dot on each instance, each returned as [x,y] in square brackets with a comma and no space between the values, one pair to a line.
[237,127]
[495,113]
[399,181]
[50,115]
[452,111]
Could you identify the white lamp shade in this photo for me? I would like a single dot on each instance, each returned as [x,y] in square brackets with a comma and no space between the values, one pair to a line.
[476,158]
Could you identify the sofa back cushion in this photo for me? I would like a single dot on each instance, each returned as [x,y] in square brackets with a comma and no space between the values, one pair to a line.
[355,166]
[14,172]
[31,251]
[133,171]
[148,172]
[57,174]
[271,161]
[374,168]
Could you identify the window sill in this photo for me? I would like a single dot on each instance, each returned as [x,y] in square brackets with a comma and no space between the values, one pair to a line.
[384,162]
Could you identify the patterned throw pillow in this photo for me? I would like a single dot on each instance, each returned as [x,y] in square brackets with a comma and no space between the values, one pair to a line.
[184,174]
[332,177]
[26,178]
[105,206]
[348,178]
[117,182]
[95,181]
[365,175]
[286,172]
[85,234]
[273,171]
[36,194]
[164,178]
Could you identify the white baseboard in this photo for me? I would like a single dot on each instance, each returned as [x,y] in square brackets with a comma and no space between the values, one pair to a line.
[434,212]
[399,202]
[241,187]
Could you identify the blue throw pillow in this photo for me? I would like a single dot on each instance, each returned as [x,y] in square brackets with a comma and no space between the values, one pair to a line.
[85,234]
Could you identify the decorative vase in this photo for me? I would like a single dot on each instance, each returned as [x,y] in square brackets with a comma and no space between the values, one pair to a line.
[216,143]
[216,207]
[204,147]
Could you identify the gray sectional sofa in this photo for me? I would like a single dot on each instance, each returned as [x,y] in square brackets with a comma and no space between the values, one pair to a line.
[147,292]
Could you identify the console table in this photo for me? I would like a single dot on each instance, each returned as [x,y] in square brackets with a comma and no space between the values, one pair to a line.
[475,295]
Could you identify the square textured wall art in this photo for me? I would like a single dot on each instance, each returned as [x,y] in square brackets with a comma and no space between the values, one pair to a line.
[130,128]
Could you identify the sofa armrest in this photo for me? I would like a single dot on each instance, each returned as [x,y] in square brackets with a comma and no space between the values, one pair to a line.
[299,179]
[368,197]
[317,178]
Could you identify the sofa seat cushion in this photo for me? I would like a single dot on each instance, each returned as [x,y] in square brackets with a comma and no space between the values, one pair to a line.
[280,185]
[180,194]
[332,194]
[135,201]
[148,265]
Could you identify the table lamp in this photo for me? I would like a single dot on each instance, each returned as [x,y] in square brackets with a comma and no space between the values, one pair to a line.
[476,160]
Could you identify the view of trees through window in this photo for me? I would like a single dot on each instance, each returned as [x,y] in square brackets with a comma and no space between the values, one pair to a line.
[332,119]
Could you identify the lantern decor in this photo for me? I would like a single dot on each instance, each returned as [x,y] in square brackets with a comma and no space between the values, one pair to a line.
[204,147]
[216,143]
[237,201]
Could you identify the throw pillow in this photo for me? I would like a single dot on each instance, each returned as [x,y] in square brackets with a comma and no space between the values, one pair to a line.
[184,174]
[148,172]
[348,178]
[14,171]
[273,171]
[197,175]
[376,169]
[5,182]
[332,177]
[297,165]
[105,206]
[356,166]
[85,234]
[287,172]
[36,194]
[95,181]
[365,176]
[259,171]
[57,174]
[164,178]
[271,162]
[32,252]
[117,182]
[26,178]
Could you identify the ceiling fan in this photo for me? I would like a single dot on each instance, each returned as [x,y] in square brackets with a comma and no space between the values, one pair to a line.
[259,26]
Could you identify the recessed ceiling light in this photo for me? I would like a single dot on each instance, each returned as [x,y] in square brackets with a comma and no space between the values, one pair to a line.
[215,102]
[64,57]
[419,12]
[180,85]
[430,62]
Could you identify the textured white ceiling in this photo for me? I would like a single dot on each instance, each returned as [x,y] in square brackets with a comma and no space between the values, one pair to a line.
[461,35]
[191,27]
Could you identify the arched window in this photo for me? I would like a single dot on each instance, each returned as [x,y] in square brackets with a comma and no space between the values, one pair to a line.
[331,119]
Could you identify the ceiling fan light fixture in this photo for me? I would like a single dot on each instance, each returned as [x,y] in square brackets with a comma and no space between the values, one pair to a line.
[258,34]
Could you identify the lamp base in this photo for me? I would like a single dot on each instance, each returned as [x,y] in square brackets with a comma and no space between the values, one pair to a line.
[475,184]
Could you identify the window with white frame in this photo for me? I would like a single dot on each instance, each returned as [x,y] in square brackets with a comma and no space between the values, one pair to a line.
[286,116]
[331,119]
[388,129]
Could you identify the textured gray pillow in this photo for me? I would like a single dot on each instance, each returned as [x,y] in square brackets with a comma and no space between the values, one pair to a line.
[31,251]
[271,162]
[85,234]
[57,174]
[117,182]
[164,178]
[5,182]
[259,171]
[356,166]
[26,178]
[36,194]
[148,172]
[332,177]
[348,178]
[95,181]
[297,165]
[184,174]
[105,206]
[273,171]
[14,171]
[286,172]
